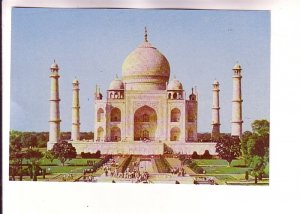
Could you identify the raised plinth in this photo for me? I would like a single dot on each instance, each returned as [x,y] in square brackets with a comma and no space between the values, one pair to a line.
[142,148]
[136,148]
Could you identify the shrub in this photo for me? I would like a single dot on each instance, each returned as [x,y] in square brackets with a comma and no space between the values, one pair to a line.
[91,155]
[42,144]
[97,154]
[195,155]
[206,155]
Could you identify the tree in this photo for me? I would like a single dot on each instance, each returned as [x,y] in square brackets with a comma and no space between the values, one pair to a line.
[228,148]
[261,127]
[246,143]
[87,135]
[41,140]
[258,165]
[33,156]
[64,151]
[255,147]
[16,155]
[29,140]
[49,155]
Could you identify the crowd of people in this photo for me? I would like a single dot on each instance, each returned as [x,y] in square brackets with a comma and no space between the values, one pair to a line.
[67,177]
[204,180]
[179,171]
[88,178]
[132,172]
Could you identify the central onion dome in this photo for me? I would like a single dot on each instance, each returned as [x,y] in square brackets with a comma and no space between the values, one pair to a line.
[145,68]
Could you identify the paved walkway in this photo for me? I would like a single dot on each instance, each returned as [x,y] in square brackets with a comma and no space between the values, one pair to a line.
[146,165]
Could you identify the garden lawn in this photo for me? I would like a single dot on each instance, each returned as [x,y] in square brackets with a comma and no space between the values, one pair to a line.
[65,169]
[224,170]
[73,162]
[218,162]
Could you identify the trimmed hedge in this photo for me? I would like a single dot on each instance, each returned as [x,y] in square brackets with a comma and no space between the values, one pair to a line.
[195,155]
[91,155]
[206,155]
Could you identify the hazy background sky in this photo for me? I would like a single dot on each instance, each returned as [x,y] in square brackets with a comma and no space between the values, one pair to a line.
[91,44]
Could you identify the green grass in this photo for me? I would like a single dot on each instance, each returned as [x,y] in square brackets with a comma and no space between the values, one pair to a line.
[266,171]
[224,170]
[226,177]
[76,165]
[218,162]
[65,169]
[76,161]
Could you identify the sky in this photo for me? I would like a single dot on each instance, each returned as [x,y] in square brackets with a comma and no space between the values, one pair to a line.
[91,45]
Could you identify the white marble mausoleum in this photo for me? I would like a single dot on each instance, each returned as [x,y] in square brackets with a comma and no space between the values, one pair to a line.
[141,112]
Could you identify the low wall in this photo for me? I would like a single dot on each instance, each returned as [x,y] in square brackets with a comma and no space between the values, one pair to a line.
[141,148]
[119,147]
[189,148]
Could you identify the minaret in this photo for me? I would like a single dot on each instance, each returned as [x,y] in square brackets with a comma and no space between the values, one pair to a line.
[236,121]
[215,110]
[75,112]
[54,122]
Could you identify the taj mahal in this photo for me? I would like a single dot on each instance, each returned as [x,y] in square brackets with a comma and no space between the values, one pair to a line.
[144,111]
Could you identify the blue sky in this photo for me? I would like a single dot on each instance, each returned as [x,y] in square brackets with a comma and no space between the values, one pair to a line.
[91,44]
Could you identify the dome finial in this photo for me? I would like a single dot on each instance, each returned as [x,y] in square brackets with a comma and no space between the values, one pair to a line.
[146,35]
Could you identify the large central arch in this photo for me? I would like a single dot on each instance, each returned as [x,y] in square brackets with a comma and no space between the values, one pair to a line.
[145,123]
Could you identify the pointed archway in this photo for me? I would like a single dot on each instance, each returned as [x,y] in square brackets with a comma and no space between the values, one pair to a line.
[175,134]
[145,123]
[115,134]
[100,134]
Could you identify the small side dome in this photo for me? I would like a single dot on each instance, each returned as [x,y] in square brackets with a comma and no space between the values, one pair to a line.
[75,81]
[216,82]
[237,67]
[175,85]
[116,84]
[54,66]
